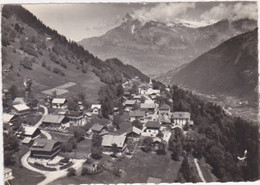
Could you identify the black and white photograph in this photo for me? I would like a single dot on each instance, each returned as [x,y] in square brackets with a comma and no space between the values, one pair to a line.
[129,92]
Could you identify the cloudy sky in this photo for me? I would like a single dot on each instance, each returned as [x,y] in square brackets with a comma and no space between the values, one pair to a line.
[78,21]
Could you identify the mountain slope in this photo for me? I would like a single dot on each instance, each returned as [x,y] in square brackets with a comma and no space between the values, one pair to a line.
[147,46]
[39,53]
[229,69]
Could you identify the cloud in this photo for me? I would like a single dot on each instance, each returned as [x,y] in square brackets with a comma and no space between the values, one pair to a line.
[231,11]
[163,12]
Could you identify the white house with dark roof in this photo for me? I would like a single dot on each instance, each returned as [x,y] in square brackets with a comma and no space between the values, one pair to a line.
[59,102]
[151,129]
[181,118]
[96,108]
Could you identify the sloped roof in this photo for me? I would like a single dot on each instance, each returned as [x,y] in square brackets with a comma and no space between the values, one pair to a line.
[45,145]
[97,127]
[153,124]
[109,140]
[134,130]
[137,113]
[18,100]
[26,140]
[147,106]
[98,106]
[59,100]
[154,180]
[29,130]
[185,115]
[7,117]
[130,102]
[21,107]
[50,118]
[164,107]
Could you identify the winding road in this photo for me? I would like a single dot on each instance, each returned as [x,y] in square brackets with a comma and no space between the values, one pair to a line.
[50,175]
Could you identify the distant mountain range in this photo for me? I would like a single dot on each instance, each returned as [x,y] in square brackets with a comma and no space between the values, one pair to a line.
[229,69]
[31,50]
[155,47]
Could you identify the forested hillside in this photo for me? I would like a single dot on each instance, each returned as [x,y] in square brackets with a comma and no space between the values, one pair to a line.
[219,138]
[34,51]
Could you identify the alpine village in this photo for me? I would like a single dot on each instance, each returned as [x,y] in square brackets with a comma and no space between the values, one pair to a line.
[71,118]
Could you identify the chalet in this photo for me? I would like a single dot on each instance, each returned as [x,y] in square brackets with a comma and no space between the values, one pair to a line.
[136,115]
[134,133]
[8,175]
[109,140]
[164,109]
[148,107]
[129,104]
[181,118]
[164,119]
[18,100]
[75,117]
[59,103]
[8,118]
[151,129]
[96,108]
[54,120]
[31,132]
[45,148]
[98,129]
[7,68]
[152,180]
[21,109]
[142,88]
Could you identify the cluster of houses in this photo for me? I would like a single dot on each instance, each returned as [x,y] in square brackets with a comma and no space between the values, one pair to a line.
[155,121]
[154,118]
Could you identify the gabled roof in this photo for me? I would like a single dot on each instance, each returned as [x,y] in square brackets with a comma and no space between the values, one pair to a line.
[45,145]
[7,117]
[18,100]
[74,113]
[29,130]
[130,102]
[147,106]
[109,140]
[97,127]
[59,100]
[153,124]
[134,130]
[149,102]
[50,118]
[21,107]
[185,115]
[164,107]
[97,106]
[137,113]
